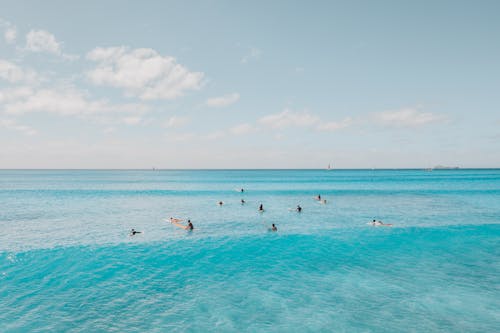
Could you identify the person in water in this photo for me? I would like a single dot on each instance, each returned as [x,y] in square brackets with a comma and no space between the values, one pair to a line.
[273,228]
[299,209]
[133,232]
[318,197]
[380,223]
[261,208]
[242,190]
[242,201]
[221,203]
[189,226]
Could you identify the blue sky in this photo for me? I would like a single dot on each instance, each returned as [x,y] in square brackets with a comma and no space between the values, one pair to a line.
[225,84]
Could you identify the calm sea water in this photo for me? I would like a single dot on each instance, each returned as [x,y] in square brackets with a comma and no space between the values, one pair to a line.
[68,264]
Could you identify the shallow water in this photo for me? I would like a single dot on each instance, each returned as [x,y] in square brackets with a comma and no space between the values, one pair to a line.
[68,264]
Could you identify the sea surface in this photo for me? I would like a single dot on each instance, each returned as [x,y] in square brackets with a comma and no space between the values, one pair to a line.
[68,263]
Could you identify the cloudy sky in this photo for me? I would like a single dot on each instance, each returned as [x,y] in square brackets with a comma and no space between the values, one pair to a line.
[254,84]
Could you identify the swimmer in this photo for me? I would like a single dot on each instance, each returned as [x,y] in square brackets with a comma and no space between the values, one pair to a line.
[221,203]
[299,209]
[242,201]
[318,197]
[273,228]
[242,190]
[133,232]
[185,227]
[261,208]
[380,223]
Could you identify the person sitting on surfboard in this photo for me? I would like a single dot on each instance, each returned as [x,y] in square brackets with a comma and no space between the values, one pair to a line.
[261,208]
[299,209]
[318,197]
[242,201]
[185,227]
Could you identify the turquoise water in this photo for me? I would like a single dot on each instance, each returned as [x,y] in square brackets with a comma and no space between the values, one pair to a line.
[68,264]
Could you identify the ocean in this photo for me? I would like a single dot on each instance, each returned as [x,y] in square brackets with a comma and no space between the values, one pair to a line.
[69,264]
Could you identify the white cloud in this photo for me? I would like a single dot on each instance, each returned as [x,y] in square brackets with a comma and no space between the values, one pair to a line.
[15,74]
[253,54]
[63,101]
[142,72]
[335,125]
[42,41]
[10,35]
[289,118]
[223,100]
[242,129]
[132,120]
[407,117]
[11,124]
[176,121]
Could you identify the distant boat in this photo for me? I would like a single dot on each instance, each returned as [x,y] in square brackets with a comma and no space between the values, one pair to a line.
[329,167]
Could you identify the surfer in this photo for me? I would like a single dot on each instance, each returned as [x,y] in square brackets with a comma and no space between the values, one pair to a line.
[273,228]
[133,232]
[221,203]
[242,190]
[299,209]
[261,208]
[189,226]
[172,220]
[380,223]
[242,201]
[318,197]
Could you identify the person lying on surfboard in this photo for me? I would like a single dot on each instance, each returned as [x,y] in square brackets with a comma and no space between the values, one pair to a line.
[133,232]
[173,219]
[380,223]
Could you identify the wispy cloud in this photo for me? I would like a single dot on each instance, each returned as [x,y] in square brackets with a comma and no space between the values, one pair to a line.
[242,129]
[12,124]
[335,125]
[176,121]
[223,100]
[62,101]
[142,72]
[253,54]
[289,118]
[10,32]
[408,117]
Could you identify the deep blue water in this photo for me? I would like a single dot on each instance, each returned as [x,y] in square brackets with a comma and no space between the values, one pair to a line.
[68,264]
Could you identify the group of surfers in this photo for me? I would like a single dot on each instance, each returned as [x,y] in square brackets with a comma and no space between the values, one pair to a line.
[190,227]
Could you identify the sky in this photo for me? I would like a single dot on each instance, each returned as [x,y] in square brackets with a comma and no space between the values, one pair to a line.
[249,84]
